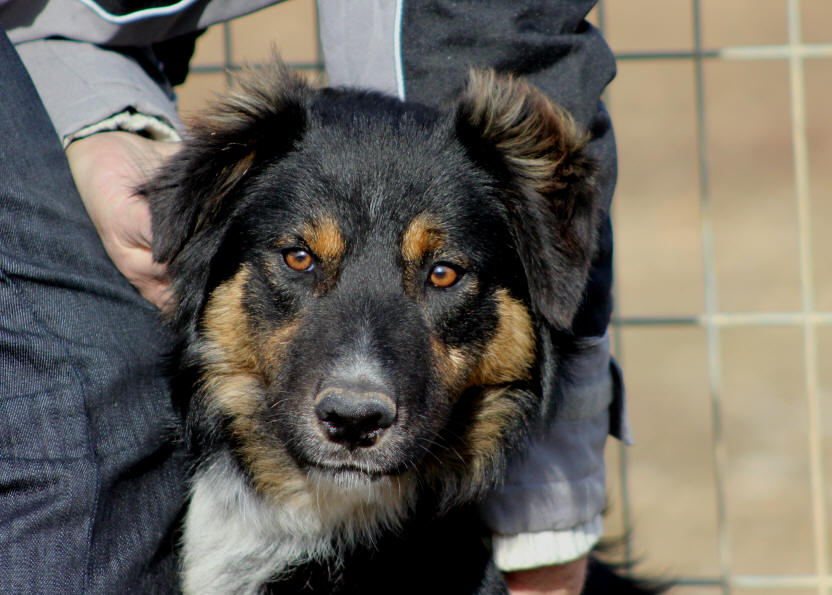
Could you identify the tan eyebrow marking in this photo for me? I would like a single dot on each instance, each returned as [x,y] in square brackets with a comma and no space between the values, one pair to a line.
[324,238]
[423,235]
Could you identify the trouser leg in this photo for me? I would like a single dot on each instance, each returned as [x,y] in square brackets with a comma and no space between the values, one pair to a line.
[91,480]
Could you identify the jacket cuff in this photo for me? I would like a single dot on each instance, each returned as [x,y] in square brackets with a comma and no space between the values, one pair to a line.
[546,548]
[128,121]
[558,482]
[82,84]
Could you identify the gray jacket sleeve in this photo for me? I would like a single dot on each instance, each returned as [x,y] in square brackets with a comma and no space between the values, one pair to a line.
[82,84]
[550,508]
[90,65]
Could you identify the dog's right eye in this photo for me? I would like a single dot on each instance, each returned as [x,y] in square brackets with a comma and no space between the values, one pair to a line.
[443,276]
[299,260]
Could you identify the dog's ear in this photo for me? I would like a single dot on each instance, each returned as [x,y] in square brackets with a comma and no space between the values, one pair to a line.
[547,184]
[262,118]
[193,196]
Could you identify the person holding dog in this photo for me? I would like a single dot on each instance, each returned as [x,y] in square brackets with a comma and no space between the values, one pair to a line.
[91,476]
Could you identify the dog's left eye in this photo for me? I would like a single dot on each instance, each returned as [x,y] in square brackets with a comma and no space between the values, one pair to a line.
[443,275]
[299,260]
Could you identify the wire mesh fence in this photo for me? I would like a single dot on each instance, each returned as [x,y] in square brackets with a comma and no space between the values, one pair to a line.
[725,527]
[714,320]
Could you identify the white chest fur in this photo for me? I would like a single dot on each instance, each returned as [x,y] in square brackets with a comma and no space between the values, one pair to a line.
[235,540]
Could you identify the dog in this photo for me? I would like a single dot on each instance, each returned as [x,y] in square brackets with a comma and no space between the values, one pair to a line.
[369,294]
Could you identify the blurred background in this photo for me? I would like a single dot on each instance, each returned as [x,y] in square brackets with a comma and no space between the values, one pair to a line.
[724,276]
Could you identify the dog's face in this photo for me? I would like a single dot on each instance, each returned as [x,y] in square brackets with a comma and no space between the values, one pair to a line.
[361,283]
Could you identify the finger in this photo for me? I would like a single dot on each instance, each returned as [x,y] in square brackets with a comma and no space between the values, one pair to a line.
[147,276]
[138,224]
[137,265]
[158,293]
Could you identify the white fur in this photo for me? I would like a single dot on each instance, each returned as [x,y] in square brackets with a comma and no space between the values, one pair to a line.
[235,540]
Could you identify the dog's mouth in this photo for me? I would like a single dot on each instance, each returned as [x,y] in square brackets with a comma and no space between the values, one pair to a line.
[364,471]
[345,469]
[354,489]
[344,476]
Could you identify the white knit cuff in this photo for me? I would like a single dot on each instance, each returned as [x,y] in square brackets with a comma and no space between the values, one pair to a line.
[129,121]
[83,85]
[546,548]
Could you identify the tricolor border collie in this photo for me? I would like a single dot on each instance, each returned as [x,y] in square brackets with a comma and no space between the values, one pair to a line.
[367,293]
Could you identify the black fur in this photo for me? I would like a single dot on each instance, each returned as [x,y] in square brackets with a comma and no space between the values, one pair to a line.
[361,373]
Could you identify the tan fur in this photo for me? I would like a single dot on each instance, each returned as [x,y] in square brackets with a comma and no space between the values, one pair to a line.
[273,346]
[237,364]
[498,411]
[534,134]
[229,350]
[509,355]
[274,474]
[452,366]
[472,463]
[325,239]
[422,236]
[255,94]
[507,358]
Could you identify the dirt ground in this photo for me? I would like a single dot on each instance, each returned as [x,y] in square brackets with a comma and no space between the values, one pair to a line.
[659,263]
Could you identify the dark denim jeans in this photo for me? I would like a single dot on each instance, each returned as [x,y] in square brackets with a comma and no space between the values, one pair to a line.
[91,475]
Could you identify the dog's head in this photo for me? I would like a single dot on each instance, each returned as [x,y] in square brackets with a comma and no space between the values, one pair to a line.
[361,283]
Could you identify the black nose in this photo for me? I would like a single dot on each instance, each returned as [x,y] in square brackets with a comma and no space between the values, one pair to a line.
[354,417]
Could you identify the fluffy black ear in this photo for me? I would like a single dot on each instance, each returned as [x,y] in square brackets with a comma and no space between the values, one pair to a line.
[547,178]
[263,117]
[194,195]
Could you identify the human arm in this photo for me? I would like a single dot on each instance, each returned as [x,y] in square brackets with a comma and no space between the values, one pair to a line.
[115,114]
[117,124]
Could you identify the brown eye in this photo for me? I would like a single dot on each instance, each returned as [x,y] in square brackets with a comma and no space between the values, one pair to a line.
[299,260]
[442,276]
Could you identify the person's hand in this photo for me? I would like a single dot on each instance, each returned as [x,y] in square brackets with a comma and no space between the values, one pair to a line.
[107,168]
[562,579]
